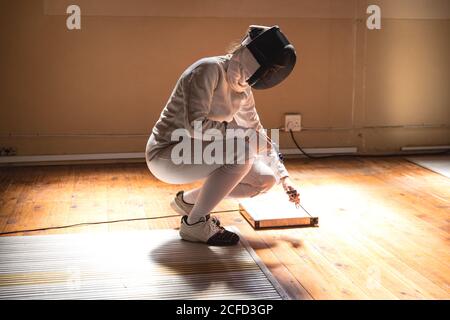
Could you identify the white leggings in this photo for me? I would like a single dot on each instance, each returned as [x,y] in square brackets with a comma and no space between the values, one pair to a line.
[221,180]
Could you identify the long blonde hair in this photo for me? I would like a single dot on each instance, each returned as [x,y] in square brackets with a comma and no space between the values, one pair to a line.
[234,46]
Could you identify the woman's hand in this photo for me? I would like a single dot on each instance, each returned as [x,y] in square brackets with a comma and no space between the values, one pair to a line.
[291,190]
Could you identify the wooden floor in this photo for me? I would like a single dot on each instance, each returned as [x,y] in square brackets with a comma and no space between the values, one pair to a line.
[384,222]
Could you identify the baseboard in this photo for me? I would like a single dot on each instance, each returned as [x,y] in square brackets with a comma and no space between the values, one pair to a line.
[339,150]
[426,148]
[71,158]
[140,156]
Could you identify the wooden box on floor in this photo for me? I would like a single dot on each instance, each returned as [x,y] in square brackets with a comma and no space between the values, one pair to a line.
[272,210]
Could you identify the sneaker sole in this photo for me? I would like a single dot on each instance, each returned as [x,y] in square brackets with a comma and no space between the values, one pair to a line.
[188,238]
[224,240]
[209,242]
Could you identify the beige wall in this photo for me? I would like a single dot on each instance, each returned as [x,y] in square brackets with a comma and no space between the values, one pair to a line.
[102,88]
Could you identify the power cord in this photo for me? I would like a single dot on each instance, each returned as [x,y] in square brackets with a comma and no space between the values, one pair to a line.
[102,222]
[357,155]
[303,151]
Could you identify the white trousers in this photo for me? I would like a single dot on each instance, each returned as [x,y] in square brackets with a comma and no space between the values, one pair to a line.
[221,180]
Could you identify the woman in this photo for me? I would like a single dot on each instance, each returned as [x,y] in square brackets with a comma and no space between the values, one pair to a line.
[215,94]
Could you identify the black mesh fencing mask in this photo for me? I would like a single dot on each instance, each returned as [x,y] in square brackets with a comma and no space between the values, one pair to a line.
[274,53]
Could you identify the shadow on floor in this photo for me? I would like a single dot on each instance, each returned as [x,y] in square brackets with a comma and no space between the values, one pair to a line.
[204,267]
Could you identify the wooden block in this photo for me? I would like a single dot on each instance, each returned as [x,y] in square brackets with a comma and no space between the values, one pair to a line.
[272,209]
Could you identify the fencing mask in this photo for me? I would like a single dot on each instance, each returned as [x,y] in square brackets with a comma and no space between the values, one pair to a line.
[273,52]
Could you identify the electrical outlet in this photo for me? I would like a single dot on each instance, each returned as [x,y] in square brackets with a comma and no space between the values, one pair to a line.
[293,121]
[7,151]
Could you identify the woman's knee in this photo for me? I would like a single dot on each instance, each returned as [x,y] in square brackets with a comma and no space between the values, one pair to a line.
[238,168]
[266,182]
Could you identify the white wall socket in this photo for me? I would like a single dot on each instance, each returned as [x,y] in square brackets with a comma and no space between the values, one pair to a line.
[293,121]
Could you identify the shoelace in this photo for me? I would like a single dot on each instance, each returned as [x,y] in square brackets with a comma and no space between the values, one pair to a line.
[215,227]
[214,219]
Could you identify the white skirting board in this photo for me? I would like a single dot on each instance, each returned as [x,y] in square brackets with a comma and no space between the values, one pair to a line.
[72,157]
[313,151]
[153,264]
[141,156]
[426,148]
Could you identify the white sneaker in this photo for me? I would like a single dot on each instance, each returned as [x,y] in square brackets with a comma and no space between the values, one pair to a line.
[206,230]
[179,205]
[182,207]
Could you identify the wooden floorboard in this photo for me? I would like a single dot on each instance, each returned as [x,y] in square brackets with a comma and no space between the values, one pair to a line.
[383,234]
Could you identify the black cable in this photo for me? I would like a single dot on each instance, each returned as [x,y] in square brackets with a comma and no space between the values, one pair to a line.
[102,222]
[304,153]
[361,155]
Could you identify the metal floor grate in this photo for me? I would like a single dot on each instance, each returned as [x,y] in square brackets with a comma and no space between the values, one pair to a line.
[131,265]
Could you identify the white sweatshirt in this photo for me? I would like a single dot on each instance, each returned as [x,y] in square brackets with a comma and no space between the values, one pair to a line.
[203,93]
